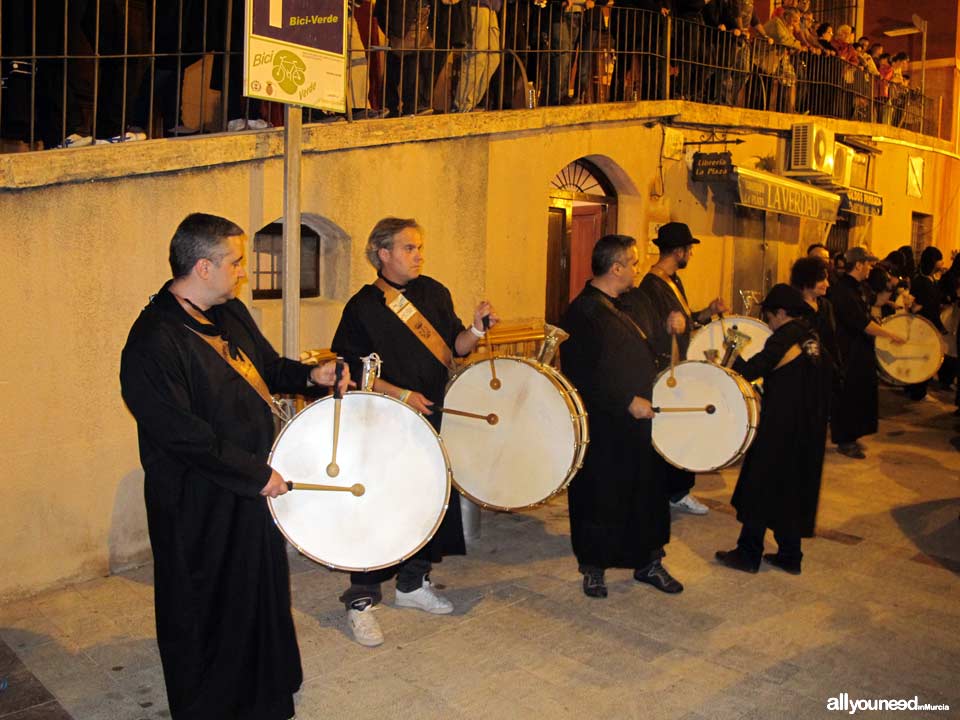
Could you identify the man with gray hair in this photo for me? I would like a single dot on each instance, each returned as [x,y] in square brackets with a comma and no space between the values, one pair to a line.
[415,371]
[197,375]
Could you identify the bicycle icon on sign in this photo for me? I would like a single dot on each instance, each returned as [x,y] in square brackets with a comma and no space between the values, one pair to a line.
[289,71]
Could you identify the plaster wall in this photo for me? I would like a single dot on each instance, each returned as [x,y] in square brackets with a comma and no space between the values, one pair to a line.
[84,239]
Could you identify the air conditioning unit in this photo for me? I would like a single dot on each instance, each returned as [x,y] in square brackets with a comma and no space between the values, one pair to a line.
[844,158]
[811,150]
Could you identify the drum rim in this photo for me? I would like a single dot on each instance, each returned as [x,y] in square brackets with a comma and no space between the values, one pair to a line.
[436,527]
[740,382]
[578,418]
[913,317]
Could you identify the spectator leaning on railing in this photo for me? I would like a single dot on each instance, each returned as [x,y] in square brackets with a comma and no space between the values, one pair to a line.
[841,43]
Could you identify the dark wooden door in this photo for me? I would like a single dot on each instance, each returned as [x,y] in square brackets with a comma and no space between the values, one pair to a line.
[558,267]
[587,229]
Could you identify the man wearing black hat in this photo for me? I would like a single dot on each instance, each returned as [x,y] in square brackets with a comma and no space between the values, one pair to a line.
[855,409]
[663,291]
[779,483]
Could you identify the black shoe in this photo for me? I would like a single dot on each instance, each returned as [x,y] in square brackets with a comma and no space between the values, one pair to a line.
[790,566]
[656,574]
[851,450]
[593,584]
[736,560]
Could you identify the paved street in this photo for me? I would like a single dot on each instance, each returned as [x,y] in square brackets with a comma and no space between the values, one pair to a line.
[875,614]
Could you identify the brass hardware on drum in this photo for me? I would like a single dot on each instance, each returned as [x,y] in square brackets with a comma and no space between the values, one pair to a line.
[356,489]
[708,409]
[733,344]
[552,337]
[491,418]
[332,468]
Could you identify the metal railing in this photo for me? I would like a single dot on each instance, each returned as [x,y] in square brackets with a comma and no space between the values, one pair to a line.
[77,70]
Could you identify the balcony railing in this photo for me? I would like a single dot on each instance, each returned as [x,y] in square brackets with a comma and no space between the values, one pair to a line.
[81,71]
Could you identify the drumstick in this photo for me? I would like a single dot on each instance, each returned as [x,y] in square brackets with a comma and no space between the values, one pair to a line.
[491,418]
[356,489]
[708,409]
[495,383]
[674,356]
[333,469]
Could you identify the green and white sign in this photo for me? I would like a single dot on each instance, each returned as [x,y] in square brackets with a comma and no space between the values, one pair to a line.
[296,52]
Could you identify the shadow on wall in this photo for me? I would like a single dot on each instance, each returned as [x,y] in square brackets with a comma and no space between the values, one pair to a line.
[127,541]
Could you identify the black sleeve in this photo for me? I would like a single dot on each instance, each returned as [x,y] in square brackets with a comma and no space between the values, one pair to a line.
[926,294]
[155,388]
[765,361]
[351,341]
[452,325]
[848,312]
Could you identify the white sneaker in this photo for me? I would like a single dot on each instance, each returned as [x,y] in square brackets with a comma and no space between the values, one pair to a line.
[689,504]
[424,598]
[364,626]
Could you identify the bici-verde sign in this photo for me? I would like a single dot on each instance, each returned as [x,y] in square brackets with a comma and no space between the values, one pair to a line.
[296,52]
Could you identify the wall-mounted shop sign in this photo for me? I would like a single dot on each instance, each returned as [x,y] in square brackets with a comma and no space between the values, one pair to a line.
[861,202]
[712,166]
[296,52]
[771,192]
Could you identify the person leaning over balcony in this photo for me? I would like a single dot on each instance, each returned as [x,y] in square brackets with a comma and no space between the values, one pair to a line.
[482,58]
[197,375]
[825,35]
[619,517]
[566,29]
[409,72]
[779,482]
[414,373]
[843,47]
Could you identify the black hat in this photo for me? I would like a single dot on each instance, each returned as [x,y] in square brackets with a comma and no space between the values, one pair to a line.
[858,254]
[786,297]
[673,235]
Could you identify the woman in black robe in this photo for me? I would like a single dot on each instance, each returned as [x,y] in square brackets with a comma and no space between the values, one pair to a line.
[779,483]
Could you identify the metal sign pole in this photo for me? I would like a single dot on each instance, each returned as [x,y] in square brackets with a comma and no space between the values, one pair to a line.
[290,281]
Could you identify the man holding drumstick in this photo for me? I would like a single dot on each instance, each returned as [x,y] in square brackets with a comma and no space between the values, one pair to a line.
[408,319]
[198,375]
[619,513]
[663,291]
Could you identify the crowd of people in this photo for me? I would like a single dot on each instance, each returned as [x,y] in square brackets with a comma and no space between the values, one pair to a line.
[198,377]
[117,72]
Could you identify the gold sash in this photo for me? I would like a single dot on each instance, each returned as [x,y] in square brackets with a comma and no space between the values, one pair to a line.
[415,321]
[658,272]
[621,315]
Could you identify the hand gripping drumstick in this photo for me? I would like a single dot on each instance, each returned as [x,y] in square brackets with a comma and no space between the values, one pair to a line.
[494,382]
[333,469]
[356,489]
[708,409]
[492,418]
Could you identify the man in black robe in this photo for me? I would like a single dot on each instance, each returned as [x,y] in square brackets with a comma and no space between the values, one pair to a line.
[925,289]
[619,512]
[663,291]
[411,372]
[221,581]
[855,409]
[779,483]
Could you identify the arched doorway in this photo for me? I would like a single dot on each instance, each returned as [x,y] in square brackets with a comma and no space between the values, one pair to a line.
[583,208]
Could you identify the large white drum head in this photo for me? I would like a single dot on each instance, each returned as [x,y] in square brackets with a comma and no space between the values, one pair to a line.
[699,441]
[710,337]
[950,317]
[388,448]
[528,455]
[916,361]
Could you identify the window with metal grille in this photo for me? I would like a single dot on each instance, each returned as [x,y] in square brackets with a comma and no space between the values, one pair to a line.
[267,263]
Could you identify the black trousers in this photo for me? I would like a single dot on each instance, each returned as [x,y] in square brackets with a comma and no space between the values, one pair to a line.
[750,544]
[365,586]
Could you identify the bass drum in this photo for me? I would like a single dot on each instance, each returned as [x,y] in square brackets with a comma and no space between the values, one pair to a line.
[950,317]
[918,359]
[686,434]
[537,444]
[384,445]
[706,343]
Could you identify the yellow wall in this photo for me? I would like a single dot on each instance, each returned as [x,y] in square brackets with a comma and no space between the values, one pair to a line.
[84,237]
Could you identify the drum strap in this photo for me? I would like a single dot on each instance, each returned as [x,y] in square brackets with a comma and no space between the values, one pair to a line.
[660,273]
[622,316]
[244,367]
[792,353]
[417,324]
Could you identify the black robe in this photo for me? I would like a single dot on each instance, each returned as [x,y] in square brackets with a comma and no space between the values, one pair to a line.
[221,580]
[655,294]
[368,326]
[779,483]
[618,505]
[854,412]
